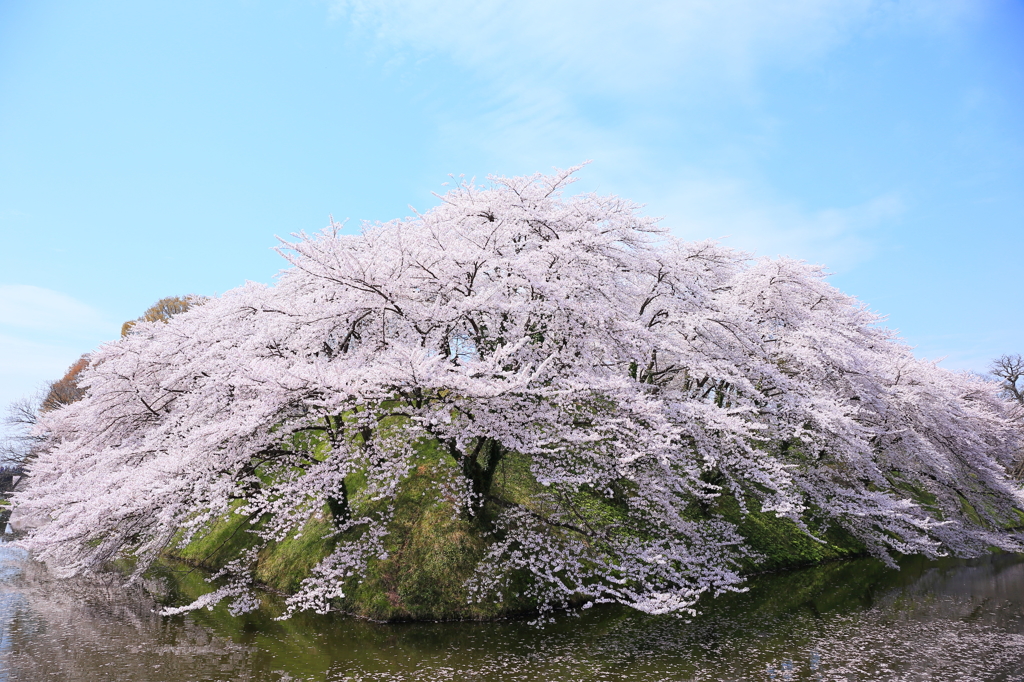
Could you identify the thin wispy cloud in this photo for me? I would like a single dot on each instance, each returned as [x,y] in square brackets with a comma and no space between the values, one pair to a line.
[23,360]
[840,238]
[565,82]
[611,47]
[27,307]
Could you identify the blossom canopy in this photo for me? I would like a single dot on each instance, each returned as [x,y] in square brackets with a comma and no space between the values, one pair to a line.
[639,378]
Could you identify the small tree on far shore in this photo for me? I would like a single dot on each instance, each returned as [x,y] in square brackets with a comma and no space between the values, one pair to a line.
[19,442]
[1010,369]
[22,442]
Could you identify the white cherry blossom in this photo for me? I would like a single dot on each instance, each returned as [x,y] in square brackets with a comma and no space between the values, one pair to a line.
[624,364]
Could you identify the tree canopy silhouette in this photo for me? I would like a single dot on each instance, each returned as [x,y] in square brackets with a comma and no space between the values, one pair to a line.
[639,377]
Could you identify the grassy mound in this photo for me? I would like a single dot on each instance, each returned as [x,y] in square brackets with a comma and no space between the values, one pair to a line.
[433,550]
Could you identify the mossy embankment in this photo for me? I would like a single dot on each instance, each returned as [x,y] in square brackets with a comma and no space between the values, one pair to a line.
[432,549]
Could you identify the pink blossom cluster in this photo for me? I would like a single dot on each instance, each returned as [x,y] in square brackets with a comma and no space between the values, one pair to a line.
[626,365]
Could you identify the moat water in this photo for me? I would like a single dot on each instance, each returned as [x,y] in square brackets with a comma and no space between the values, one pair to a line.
[947,620]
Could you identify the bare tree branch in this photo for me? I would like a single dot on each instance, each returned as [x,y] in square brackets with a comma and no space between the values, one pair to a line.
[1010,368]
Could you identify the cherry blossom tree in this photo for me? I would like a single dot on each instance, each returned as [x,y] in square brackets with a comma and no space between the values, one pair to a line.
[629,369]
[23,414]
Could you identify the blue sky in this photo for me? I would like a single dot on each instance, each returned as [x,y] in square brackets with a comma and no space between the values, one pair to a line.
[154,149]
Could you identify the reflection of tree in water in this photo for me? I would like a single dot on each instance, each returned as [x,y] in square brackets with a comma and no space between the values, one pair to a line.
[853,621]
[954,622]
[95,629]
[958,622]
[856,620]
[986,591]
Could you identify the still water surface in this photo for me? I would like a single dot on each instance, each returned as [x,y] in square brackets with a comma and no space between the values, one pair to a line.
[856,620]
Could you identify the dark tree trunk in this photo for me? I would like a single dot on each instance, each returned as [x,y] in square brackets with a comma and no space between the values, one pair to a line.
[339,506]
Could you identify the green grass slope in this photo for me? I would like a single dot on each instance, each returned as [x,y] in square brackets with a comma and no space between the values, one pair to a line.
[432,550]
